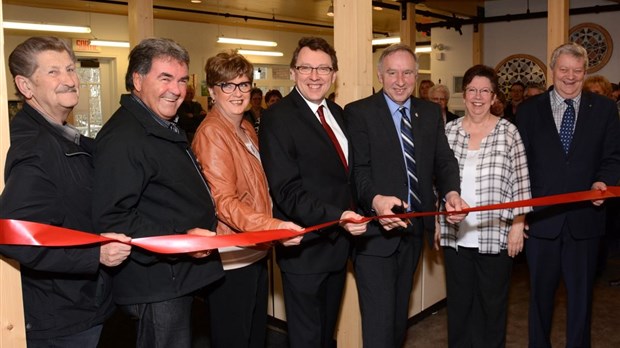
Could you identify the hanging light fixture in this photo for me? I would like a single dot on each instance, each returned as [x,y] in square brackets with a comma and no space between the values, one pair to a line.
[330,9]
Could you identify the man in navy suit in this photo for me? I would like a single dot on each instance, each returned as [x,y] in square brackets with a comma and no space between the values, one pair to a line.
[572,139]
[306,154]
[386,256]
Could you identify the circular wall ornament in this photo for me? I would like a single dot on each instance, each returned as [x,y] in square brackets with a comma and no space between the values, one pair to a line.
[520,67]
[596,40]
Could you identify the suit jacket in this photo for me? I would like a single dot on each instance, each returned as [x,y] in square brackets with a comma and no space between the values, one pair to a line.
[308,183]
[379,166]
[594,155]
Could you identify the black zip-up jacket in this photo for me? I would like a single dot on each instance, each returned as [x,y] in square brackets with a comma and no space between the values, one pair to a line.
[148,184]
[49,180]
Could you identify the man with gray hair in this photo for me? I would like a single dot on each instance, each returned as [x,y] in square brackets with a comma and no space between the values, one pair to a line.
[148,183]
[49,179]
[572,141]
[400,150]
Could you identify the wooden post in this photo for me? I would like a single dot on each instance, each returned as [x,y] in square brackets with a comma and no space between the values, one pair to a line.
[140,16]
[557,29]
[407,25]
[354,81]
[12,330]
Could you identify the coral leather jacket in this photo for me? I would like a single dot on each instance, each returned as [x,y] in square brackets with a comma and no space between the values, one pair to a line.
[235,175]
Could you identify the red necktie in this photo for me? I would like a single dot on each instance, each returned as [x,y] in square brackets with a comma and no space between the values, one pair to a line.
[332,136]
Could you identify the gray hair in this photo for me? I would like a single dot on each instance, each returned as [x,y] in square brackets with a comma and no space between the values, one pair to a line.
[440,88]
[141,57]
[395,48]
[571,48]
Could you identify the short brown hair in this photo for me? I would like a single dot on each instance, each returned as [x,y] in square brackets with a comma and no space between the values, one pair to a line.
[315,44]
[480,70]
[226,66]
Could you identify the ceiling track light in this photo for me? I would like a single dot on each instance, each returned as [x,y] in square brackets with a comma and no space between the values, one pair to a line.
[46,27]
[235,41]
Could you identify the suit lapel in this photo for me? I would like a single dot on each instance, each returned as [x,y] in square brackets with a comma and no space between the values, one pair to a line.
[585,108]
[391,137]
[416,126]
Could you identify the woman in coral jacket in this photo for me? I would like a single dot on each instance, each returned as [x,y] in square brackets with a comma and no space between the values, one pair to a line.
[226,145]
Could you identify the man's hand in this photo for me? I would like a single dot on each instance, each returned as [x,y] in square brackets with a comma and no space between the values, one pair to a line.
[454,202]
[114,253]
[287,225]
[201,232]
[383,206]
[601,186]
[355,228]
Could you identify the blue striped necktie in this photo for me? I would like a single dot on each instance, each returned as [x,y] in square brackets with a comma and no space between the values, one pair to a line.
[567,125]
[409,152]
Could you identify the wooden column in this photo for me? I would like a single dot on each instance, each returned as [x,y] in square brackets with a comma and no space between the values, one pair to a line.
[140,16]
[557,28]
[354,82]
[12,330]
[407,25]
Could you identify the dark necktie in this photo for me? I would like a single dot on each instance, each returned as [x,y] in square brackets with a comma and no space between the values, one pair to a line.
[409,151]
[332,136]
[568,123]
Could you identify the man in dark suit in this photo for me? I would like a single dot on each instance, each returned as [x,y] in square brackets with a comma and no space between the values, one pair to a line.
[386,256]
[305,152]
[572,139]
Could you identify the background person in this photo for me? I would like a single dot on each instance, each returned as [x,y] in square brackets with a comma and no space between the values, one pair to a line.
[190,114]
[256,110]
[425,86]
[227,148]
[272,96]
[440,94]
[480,249]
[49,179]
[147,183]
[517,90]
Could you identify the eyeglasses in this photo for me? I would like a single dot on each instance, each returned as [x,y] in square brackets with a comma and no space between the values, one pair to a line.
[484,92]
[229,87]
[307,70]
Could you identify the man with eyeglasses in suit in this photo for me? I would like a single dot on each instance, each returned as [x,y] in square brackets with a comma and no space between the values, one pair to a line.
[305,152]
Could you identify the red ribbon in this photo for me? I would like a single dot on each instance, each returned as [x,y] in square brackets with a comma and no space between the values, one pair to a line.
[17,232]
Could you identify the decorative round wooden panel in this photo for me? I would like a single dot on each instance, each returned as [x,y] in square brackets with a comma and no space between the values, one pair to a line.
[520,67]
[596,40]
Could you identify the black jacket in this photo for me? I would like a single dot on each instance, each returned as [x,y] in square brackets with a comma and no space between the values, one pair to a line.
[379,167]
[308,183]
[49,180]
[147,184]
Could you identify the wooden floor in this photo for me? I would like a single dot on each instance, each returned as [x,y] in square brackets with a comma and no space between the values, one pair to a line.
[431,331]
